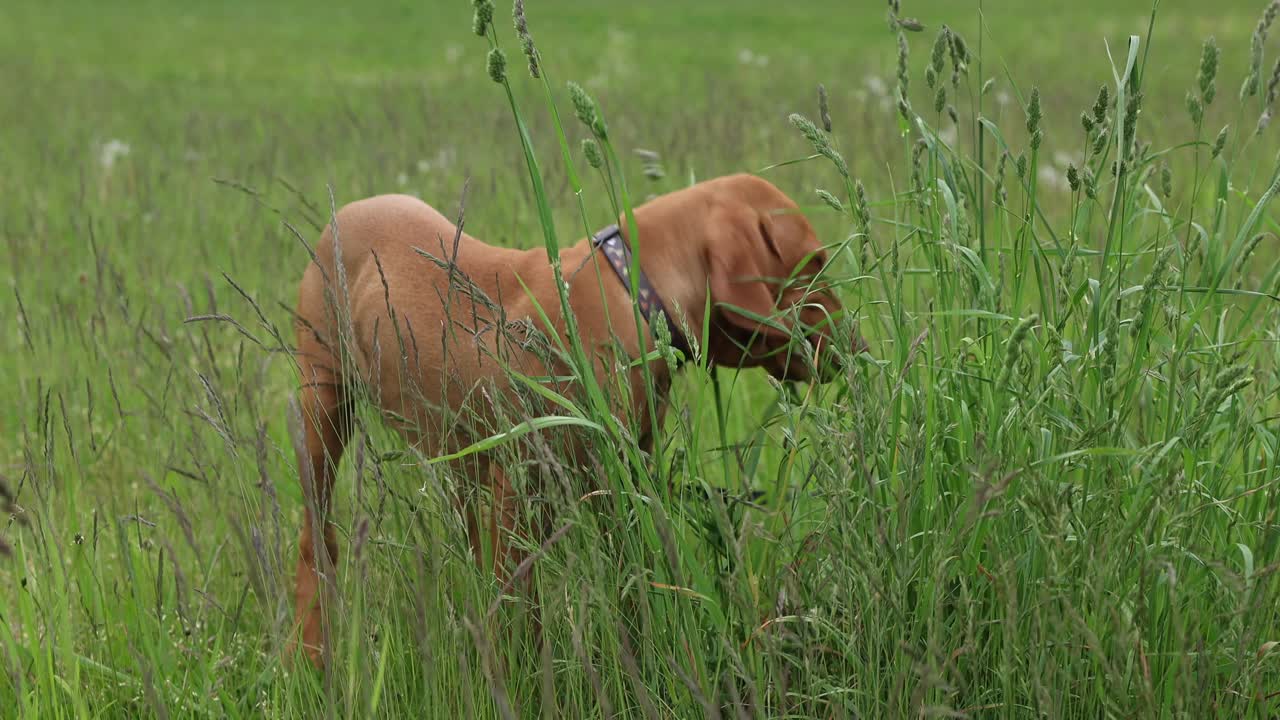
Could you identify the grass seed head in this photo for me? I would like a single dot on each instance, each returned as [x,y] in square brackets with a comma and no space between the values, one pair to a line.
[497,66]
[1228,376]
[526,44]
[1268,17]
[831,200]
[526,40]
[959,50]
[938,60]
[819,141]
[810,131]
[1237,386]
[1101,105]
[591,151]
[1002,194]
[910,24]
[1086,122]
[1073,177]
[863,208]
[904,107]
[483,17]
[1273,86]
[517,16]
[917,174]
[1209,56]
[1013,352]
[940,99]
[1066,273]
[824,113]
[1033,112]
[1249,87]
[583,107]
[1155,278]
[1166,180]
[1223,388]
[1100,142]
[1020,332]
[1132,107]
[585,110]
[1107,361]
[1220,142]
[904,70]
[1139,321]
[1243,263]
[1195,107]
[1150,287]
[963,228]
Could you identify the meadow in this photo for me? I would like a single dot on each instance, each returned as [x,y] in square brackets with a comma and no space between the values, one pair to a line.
[1049,489]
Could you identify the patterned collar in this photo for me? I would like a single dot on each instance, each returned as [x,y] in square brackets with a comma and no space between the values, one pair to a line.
[616,250]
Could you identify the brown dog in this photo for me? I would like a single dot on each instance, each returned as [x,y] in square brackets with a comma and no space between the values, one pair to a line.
[401,301]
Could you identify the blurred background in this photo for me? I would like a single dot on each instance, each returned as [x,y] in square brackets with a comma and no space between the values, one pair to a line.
[120,119]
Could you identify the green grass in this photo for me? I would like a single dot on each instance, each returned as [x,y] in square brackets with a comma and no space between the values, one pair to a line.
[1069,516]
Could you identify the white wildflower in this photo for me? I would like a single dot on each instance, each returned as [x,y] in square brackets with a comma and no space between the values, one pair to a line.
[1051,178]
[110,150]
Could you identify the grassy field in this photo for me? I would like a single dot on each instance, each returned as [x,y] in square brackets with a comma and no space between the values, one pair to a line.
[1049,490]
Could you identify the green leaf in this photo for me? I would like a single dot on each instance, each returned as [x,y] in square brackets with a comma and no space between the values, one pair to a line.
[524,428]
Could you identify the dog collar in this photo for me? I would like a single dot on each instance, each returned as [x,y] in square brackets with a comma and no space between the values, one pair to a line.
[615,249]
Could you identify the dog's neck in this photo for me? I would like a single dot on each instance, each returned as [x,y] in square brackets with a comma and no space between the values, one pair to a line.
[615,250]
[673,260]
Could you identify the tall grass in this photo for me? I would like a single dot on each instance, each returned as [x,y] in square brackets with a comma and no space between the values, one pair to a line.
[1050,489]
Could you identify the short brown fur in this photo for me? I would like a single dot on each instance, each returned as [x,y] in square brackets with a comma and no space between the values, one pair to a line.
[412,343]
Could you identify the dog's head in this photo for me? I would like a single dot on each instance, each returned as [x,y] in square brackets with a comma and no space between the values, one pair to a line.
[766,281]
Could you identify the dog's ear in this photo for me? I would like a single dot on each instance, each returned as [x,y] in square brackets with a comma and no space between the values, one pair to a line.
[745,265]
